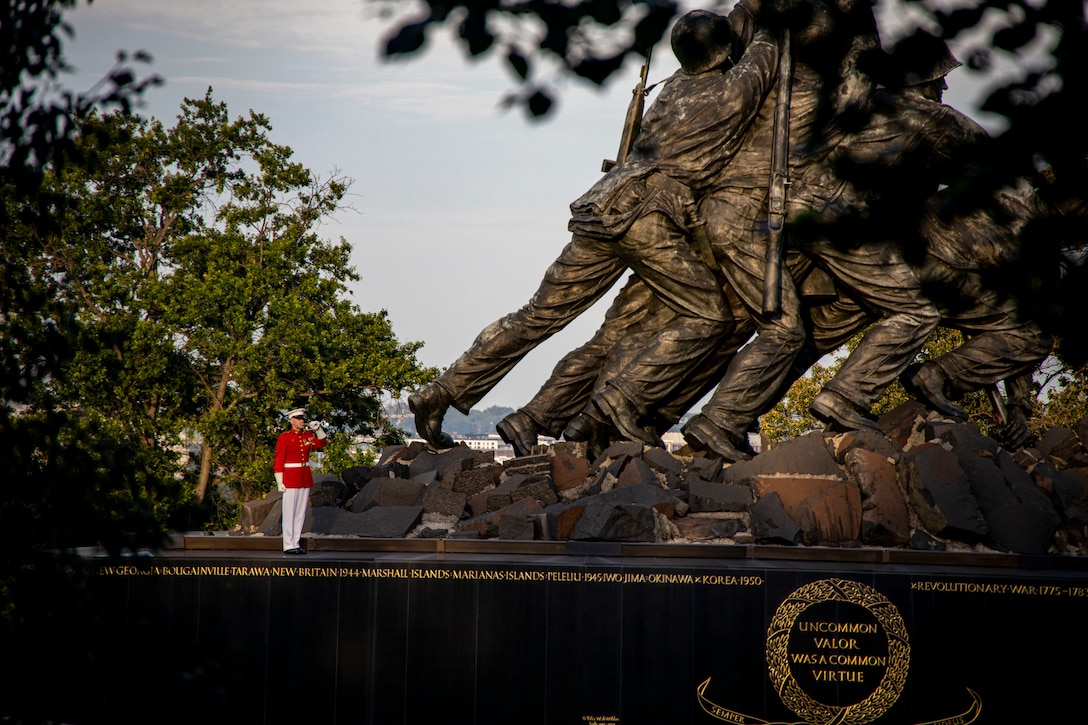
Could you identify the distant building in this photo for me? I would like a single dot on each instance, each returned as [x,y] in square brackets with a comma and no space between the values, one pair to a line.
[673,440]
[502,450]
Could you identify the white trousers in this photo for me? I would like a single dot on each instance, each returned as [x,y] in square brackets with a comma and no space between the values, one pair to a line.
[294,516]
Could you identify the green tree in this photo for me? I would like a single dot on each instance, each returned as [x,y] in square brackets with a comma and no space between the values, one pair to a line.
[69,480]
[344,452]
[1064,396]
[66,473]
[207,301]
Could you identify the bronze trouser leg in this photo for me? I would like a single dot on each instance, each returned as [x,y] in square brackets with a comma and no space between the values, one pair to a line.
[584,271]
[654,249]
[664,259]
[736,226]
[999,345]
[634,316]
[877,277]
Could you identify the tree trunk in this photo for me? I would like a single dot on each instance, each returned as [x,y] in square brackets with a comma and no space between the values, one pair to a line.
[205,471]
[218,404]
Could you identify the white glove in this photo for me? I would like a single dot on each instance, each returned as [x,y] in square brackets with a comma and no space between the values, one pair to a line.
[317,429]
[279,482]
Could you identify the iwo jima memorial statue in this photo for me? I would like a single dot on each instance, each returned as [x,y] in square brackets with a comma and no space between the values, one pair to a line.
[792,185]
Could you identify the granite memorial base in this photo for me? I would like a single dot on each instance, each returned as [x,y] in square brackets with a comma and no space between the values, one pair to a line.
[581,635]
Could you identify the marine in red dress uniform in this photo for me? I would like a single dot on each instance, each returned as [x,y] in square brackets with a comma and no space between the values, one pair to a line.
[293,476]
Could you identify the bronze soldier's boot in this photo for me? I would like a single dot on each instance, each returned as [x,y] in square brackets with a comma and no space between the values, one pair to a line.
[704,435]
[429,405]
[520,431]
[928,383]
[835,410]
[594,432]
[589,427]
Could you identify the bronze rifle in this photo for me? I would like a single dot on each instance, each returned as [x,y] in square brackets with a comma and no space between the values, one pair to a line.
[633,123]
[776,199]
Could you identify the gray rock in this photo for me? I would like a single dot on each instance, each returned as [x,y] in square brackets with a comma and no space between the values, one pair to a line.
[383,522]
[771,524]
[967,438]
[529,465]
[487,525]
[475,480]
[537,488]
[272,525]
[442,501]
[637,472]
[808,455]
[255,512]
[1021,528]
[1060,445]
[501,495]
[327,491]
[322,520]
[708,469]
[1022,486]
[1065,490]
[387,492]
[885,517]
[458,458]
[602,521]
[661,460]
[706,497]
[516,528]
[940,494]
[922,541]
[987,480]
[624,449]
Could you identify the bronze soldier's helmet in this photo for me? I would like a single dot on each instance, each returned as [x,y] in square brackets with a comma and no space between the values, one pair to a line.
[921,58]
[702,40]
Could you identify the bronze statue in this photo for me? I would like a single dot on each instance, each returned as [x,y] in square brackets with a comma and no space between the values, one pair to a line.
[638,216]
[831,46]
[692,210]
[916,140]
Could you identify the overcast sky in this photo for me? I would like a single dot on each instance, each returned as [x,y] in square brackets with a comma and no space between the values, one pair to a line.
[459,204]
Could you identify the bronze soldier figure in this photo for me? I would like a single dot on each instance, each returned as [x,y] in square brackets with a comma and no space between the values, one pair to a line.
[639,216]
[828,86]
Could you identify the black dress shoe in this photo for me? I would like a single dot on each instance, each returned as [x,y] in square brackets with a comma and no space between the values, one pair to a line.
[927,382]
[520,431]
[428,405]
[838,412]
[294,552]
[704,436]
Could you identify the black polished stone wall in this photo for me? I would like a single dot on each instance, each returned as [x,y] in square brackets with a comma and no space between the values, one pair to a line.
[575,640]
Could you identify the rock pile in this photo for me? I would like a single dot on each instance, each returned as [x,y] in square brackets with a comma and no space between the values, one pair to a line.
[926,484]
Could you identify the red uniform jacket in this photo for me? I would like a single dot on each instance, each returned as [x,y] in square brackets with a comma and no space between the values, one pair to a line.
[292,455]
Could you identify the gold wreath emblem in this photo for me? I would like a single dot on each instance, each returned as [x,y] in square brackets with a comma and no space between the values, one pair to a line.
[790,691]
